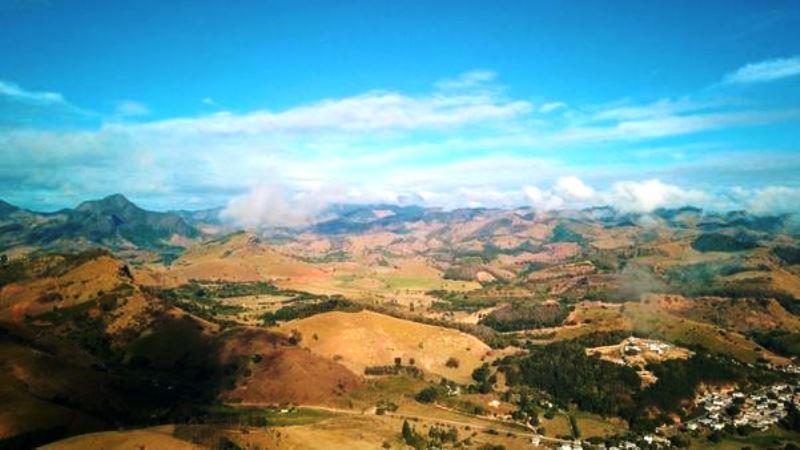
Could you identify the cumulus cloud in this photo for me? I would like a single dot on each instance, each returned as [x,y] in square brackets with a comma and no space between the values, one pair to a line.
[574,188]
[645,196]
[543,200]
[275,205]
[765,71]
[628,196]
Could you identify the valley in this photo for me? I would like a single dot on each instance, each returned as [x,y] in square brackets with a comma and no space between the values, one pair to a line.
[394,327]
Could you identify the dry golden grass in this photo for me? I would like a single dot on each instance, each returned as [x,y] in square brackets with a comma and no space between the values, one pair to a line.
[363,339]
[401,279]
[283,374]
[76,286]
[241,257]
[591,425]
[147,438]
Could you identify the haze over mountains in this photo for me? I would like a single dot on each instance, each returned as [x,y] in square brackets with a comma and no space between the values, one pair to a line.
[410,311]
[115,221]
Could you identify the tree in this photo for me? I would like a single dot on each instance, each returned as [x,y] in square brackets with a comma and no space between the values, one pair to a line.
[408,435]
[679,441]
[481,374]
[411,437]
[427,395]
[792,419]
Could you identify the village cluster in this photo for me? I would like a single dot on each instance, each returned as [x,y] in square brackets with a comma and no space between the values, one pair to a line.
[759,409]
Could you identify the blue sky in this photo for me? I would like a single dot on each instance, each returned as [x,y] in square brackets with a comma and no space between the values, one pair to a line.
[550,104]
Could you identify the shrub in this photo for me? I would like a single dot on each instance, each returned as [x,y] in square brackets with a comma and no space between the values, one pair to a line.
[789,255]
[428,395]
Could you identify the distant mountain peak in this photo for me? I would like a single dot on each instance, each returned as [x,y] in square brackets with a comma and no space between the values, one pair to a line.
[111,202]
[7,208]
[116,198]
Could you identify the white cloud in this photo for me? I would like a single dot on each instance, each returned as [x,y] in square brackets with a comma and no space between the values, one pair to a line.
[274,204]
[645,196]
[764,71]
[208,101]
[575,188]
[15,92]
[664,107]
[463,143]
[552,106]
[770,199]
[543,200]
[468,80]
[130,108]
[628,196]
[367,112]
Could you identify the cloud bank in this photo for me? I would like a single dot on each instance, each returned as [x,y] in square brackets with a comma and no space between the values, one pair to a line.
[275,205]
[465,142]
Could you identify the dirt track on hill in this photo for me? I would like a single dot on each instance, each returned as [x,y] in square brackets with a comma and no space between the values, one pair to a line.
[473,425]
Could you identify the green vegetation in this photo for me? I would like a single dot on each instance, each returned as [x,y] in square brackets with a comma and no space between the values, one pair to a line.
[602,338]
[565,371]
[782,342]
[437,437]
[484,379]
[562,233]
[703,274]
[411,437]
[329,257]
[203,300]
[428,395]
[488,252]
[789,255]
[459,301]
[254,416]
[718,242]
[518,317]
[302,310]
[741,290]
[209,289]
[678,379]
